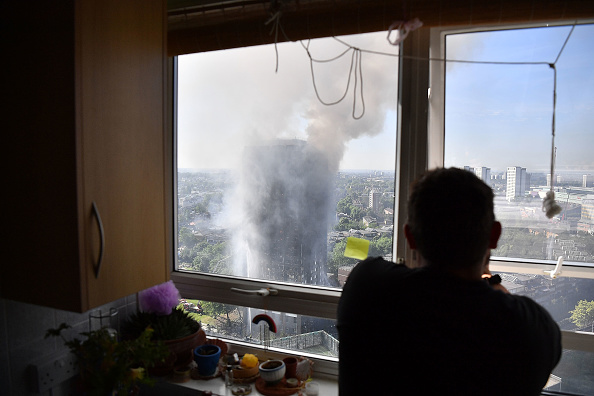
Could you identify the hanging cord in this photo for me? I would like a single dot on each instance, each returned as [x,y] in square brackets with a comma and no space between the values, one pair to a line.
[355,68]
[275,18]
[549,205]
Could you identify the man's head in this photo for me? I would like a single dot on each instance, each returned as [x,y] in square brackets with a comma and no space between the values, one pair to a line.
[450,218]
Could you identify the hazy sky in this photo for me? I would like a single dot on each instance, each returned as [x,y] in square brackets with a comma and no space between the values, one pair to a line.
[230,99]
[501,115]
[496,115]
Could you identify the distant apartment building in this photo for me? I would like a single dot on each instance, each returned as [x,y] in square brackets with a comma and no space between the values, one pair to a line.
[586,180]
[483,173]
[586,222]
[374,200]
[518,182]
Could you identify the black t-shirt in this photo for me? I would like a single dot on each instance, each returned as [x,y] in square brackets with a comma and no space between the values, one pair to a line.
[423,332]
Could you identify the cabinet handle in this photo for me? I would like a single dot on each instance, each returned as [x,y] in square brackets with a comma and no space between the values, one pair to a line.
[102,236]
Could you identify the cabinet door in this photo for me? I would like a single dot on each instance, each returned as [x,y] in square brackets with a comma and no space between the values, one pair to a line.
[120,79]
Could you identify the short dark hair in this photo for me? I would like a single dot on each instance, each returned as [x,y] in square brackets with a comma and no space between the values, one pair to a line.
[450,216]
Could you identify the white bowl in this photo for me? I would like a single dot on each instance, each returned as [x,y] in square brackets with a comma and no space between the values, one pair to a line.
[272,371]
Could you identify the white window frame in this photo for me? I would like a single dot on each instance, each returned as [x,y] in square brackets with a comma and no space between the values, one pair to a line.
[435,149]
[427,153]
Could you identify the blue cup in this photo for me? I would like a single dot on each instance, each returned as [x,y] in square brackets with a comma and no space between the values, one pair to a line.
[207,358]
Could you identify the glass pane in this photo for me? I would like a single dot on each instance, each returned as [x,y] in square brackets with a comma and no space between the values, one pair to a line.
[569,300]
[573,374]
[498,123]
[270,180]
[297,333]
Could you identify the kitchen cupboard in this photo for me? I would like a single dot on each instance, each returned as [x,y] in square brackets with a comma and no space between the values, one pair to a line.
[87,171]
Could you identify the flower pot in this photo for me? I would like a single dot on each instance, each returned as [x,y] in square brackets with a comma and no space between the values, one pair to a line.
[207,359]
[180,353]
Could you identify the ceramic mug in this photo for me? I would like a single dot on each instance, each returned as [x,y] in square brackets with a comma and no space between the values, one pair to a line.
[291,365]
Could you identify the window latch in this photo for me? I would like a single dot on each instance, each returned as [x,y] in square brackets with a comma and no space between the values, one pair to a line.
[263,292]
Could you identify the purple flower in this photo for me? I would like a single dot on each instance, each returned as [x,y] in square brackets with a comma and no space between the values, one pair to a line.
[160,299]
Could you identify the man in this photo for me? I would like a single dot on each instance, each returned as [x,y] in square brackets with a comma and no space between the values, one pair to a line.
[441,329]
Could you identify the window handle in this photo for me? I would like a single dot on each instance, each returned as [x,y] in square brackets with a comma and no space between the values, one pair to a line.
[97,267]
[263,292]
[557,271]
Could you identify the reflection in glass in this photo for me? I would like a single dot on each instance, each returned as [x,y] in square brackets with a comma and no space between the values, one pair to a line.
[498,121]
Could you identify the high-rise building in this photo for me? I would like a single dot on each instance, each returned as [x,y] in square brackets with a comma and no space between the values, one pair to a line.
[285,198]
[483,173]
[517,182]
[374,200]
[585,180]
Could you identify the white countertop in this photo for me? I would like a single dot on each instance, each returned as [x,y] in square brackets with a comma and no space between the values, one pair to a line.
[328,386]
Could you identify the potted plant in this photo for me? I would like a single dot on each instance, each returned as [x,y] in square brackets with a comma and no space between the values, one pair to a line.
[173,326]
[109,366]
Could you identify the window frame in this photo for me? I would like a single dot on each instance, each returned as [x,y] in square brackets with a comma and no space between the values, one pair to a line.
[427,152]
[435,148]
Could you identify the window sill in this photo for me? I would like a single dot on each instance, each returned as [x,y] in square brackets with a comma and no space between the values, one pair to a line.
[325,374]
[328,386]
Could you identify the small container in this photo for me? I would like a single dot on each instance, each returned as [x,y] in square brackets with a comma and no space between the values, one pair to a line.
[229,375]
[182,374]
[312,389]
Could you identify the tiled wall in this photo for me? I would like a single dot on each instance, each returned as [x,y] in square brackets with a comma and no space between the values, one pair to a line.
[22,343]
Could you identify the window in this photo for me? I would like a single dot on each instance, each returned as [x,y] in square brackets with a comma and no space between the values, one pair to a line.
[271,181]
[498,111]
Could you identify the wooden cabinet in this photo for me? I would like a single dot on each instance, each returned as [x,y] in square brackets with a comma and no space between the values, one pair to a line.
[86,129]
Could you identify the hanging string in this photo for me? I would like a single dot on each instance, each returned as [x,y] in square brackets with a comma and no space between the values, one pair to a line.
[275,26]
[355,68]
[549,205]
[275,18]
[404,28]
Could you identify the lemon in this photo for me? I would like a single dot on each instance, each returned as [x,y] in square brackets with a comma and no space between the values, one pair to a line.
[249,361]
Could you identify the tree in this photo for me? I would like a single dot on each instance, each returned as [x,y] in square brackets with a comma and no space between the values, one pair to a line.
[583,314]
[231,325]
[337,258]
[381,246]
[343,205]
[187,238]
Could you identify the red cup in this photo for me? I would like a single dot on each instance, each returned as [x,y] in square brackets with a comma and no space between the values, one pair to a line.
[291,365]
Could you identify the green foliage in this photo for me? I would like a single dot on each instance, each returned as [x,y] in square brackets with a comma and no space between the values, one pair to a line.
[583,314]
[382,246]
[337,258]
[346,224]
[187,238]
[177,325]
[228,313]
[107,364]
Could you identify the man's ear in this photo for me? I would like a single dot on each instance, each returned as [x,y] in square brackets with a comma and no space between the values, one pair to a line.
[495,234]
[409,237]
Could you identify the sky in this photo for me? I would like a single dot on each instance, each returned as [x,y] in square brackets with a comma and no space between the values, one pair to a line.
[496,115]
[501,115]
[233,98]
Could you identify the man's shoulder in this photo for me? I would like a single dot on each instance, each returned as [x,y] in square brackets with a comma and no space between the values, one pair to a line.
[379,265]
